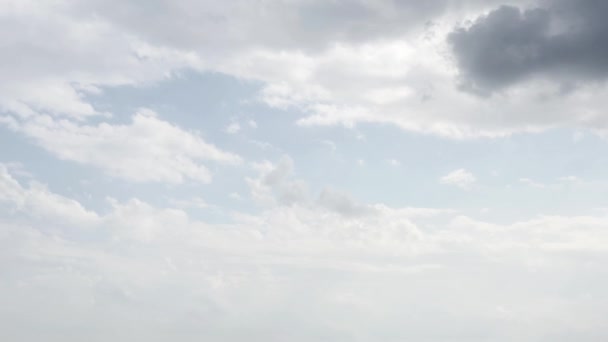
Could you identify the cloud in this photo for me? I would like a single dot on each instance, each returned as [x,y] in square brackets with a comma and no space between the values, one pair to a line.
[570,179]
[307,25]
[563,41]
[306,265]
[54,78]
[394,162]
[331,145]
[195,202]
[398,71]
[233,128]
[146,150]
[155,273]
[460,178]
[531,183]
[38,203]
[338,86]
[275,184]
[342,203]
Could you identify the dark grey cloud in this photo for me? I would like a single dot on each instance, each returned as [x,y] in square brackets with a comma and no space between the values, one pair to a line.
[566,41]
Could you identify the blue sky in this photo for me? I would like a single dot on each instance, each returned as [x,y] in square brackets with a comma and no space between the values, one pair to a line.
[303,170]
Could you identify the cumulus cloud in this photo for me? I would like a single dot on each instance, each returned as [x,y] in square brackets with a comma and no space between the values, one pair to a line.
[305,265]
[54,78]
[146,150]
[38,203]
[342,203]
[275,184]
[460,178]
[563,41]
[397,71]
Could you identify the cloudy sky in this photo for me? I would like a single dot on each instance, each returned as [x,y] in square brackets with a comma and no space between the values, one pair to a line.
[303,170]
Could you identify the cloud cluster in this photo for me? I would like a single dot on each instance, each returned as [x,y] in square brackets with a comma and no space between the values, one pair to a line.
[293,271]
[310,264]
[387,62]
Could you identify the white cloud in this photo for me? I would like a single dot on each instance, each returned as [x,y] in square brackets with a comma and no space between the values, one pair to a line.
[233,128]
[194,202]
[235,196]
[330,144]
[460,178]
[304,267]
[531,183]
[335,74]
[275,184]
[37,202]
[285,263]
[570,179]
[394,162]
[146,150]
[54,78]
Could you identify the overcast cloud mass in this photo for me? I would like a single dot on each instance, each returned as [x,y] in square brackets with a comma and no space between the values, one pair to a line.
[303,170]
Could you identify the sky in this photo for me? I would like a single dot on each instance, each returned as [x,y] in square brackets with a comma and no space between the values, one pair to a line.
[303,170]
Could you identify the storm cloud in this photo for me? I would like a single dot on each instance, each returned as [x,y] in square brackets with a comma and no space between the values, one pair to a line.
[564,41]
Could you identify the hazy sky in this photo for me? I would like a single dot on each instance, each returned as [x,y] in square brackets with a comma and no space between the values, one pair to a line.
[303,170]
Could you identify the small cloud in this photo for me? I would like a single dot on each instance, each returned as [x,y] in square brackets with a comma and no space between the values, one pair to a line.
[343,204]
[195,202]
[531,183]
[394,162]
[360,162]
[17,169]
[332,145]
[460,178]
[569,179]
[233,128]
[252,124]
[262,144]
[235,196]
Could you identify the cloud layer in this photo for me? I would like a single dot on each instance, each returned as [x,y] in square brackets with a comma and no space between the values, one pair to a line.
[246,215]
[294,271]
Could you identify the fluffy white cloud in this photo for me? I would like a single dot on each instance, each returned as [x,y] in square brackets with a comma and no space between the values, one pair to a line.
[86,52]
[39,203]
[146,150]
[332,71]
[460,178]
